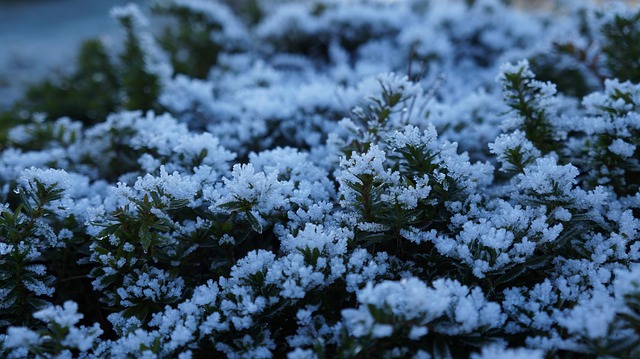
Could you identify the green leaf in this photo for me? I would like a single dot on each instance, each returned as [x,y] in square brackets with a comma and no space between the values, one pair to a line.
[25,202]
[108,280]
[145,238]
[140,311]
[219,263]
[37,303]
[441,349]
[253,221]
[101,250]
[520,269]
[162,227]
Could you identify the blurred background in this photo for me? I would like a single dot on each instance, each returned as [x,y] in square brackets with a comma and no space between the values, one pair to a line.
[41,37]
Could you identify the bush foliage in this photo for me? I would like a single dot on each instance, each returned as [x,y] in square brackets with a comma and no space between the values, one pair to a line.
[259,180]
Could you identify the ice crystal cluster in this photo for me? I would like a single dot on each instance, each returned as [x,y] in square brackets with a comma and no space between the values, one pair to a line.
[331,179]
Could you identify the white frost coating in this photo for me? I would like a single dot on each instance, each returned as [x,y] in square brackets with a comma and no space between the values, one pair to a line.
[65,316]
[411,136]
[546,177]
[497,352]
[131,11]
[522,67]
[47,177]
[591,317]
[219,14]
[21,337]
[155,285]
[334,243]
[82,338]
[369,163]
[255,261]
[174,185]
[299,353]
[622,148]
[39,288]
[513,143]
[554,236]
[412,300]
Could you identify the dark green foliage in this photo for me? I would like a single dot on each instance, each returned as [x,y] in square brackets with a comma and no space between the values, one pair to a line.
[236,261]
[632,319]
[88,94]
[622,48]
[8,120]
[524,94]
[134,243]
[252,11]
[623,171]
[23,272]
[139,85]
[578,70]
[97,86]
[188,40]
[572,81]
[293,37]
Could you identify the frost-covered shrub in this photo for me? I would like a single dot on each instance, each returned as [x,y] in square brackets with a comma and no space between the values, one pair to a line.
[58,340]
[103,82]
[203,30]
[597,43]
[33,234]
[327,179]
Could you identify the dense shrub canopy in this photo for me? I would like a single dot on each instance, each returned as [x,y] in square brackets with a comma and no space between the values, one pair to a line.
[330,179]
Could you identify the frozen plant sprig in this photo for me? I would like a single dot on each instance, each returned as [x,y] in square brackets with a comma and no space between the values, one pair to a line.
[399,315]
[530,102]
[27,239]
[58,338]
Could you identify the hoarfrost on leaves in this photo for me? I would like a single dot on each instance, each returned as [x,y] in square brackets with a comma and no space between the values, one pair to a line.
[339,179]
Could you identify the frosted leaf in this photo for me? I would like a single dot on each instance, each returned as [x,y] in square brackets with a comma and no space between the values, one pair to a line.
[515,143]
[521,66]
[178,187]
[299,353]
[382,330]
[334,243]
[261,192]
[48,178]
[254,262]
[82,338]
[547,177]
[5,248]
[418,332]
[369,163]
[130,11]
[155,285]
[591,317]
[21,337]
[65,316]
[622,148]
[218,14]
[412,300]
[38,287]
[412,136]
[498,352]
